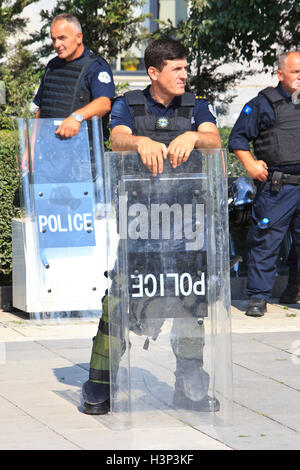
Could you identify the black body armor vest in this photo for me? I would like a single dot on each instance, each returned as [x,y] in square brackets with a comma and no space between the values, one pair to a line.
[64,89]
[280,144]
[160,128]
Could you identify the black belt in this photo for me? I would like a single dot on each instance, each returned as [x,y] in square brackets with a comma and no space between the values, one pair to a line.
[278,179]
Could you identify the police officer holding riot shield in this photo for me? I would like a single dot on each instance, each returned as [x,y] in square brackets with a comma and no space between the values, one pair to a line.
[161,122]
[271,121]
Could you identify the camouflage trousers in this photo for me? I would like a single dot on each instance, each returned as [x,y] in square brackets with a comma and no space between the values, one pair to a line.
[187,336]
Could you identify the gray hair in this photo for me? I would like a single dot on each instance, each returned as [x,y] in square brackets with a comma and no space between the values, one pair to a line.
[281,61]
[70,19]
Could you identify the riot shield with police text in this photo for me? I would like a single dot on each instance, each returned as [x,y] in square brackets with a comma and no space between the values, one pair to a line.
[169,290]
[59,253]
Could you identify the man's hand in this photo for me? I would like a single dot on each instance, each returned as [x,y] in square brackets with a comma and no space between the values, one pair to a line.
[181,147]
[152,154]
[68,128]
[258,169]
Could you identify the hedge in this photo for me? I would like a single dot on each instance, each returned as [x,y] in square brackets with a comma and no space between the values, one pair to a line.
[8,202]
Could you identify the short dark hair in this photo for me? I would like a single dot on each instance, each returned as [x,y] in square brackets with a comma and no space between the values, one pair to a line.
[160,50]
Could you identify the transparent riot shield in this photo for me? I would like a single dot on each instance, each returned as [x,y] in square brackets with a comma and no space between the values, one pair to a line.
[59,253]
[169,293]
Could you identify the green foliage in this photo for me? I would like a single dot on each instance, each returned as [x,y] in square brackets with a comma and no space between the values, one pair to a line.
[21,79]
[109,26]
[234,166]
[8,197]
[17,71]
[222,32]
[14,71]
[10,20]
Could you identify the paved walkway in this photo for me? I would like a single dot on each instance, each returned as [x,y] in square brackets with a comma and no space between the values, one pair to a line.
[43,365]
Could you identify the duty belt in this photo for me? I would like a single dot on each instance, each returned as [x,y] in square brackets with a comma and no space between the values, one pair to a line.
[278,179]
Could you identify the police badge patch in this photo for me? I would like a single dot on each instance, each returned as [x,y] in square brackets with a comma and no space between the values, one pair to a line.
[162,122]
[104,77]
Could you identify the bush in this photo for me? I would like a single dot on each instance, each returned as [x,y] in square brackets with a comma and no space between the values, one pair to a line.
[8,198]
[234,166]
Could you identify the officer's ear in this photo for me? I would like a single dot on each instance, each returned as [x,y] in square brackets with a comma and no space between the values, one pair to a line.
[79,38]
[153,72]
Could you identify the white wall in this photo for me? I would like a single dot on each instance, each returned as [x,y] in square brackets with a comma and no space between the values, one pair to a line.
[243,92]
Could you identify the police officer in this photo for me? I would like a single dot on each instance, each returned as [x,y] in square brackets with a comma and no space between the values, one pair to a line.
[77,85]
[160,122]
[271,121]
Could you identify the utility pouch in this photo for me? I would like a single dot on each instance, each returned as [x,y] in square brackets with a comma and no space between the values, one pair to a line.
[277,181]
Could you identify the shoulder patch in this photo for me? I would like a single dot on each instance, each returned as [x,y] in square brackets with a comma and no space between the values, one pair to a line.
[247,109]
[104,77]
[201,97]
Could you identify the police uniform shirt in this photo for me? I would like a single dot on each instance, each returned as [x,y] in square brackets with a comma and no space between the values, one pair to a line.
[256,116]
[122,115]
[98,79]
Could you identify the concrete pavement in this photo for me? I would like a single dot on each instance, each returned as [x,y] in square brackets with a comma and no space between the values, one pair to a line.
[43,365]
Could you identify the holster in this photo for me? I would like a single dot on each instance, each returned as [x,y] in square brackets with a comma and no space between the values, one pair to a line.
[277,181]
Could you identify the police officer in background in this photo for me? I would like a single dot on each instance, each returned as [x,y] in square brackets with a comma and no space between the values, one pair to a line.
[160,122]
[272,122]
[77,85]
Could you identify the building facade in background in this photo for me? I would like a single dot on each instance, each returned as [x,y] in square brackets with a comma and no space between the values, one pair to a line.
[129,67]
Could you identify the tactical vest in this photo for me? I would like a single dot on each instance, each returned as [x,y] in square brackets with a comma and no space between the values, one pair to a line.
[64,88]
[160,128]
[280,144]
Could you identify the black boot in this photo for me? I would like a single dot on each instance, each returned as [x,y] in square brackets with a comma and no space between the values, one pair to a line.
[191,387]
[256,307]
[96,398]
[207,404]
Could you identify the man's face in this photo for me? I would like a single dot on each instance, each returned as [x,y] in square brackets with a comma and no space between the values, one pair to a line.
[66,41]
[172,78]
[289,75]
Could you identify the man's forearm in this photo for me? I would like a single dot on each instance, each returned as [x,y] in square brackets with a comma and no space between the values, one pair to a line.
[257,169]
[152,153]
[205,140]
[98,107]
[122,142]
[245,157]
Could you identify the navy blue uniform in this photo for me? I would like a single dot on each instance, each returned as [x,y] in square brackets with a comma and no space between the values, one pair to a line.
[98,79]
[121,113]
[80,85]
[281,208]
